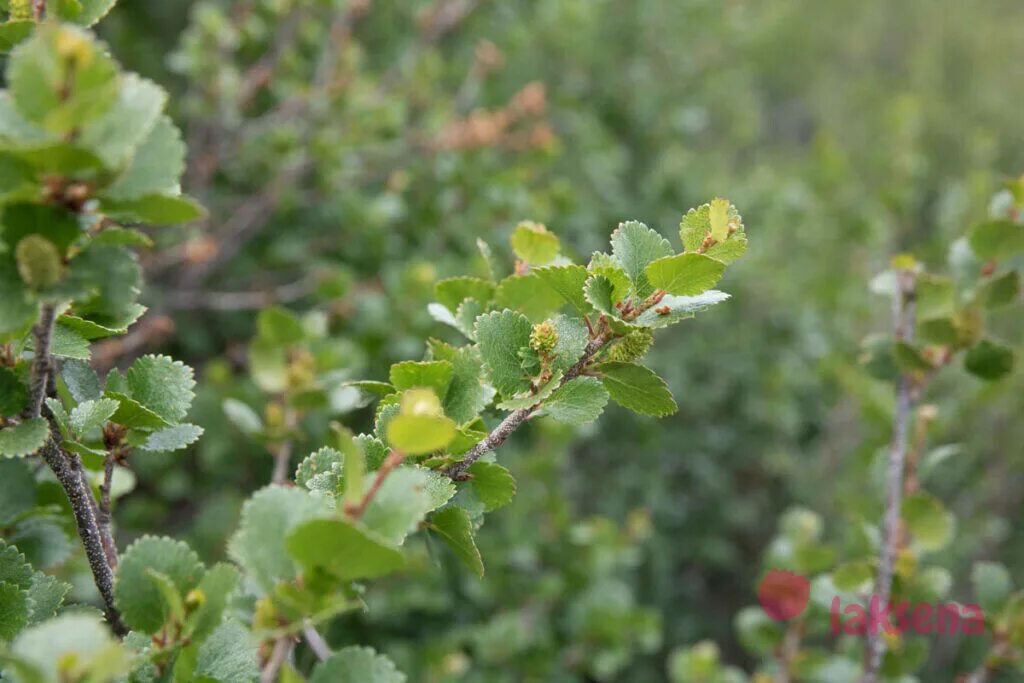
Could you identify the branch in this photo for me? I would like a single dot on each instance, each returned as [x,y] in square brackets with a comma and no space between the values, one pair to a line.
[242,301]
[282,646]
[42,362]
[67,467]
[906,399]
[316,642]
[514,419]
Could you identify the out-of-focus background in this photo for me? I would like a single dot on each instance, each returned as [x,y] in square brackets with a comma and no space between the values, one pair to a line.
[352,152]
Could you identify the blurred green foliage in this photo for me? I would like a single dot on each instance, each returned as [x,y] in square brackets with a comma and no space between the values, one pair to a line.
[364,160]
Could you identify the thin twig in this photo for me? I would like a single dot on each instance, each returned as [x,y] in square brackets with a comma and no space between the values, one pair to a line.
[516,418]
[103,512]
[393,460]
[906,398]
[316,642]
[242,301]
[283,452]
[282,647]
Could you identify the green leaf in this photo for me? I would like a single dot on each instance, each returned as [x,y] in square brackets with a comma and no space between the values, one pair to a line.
[637,388]
[242,416]
[24,438]
[90,415]
[172,438]
[1003,290]
[14,569]
[45,597]
[573,338]
[13,393]
[927,521]
[42,68]
[13,32]
[104,281]
[55,224]
[93,11]
[228,655]
[115,236]
[79,638]
[154,209]
[343,549]
[568,282]
[132,414]
[454,290]
[493,485]
[600,293]
[685,274]
[695,227]
[43,540]
[374,450]
[420,426]
[854,576]
[989,360]
[320,470]
[353,464]
[357,665]
[992,585]
[533,244]
[455,528]
[500,335]
[673,309]
[280,327]
[142,603]
[404,499]
[215,591]
[132,117]
[577,402]
[13,610]
[997,239]
[528,294]
[163,385]
[267,520]
[17,489]
[17,309]
[81,381]
[909,358]
[100,326]
[435,375]
[527,399]
[68,343]
[635,245]
[466,396]
[156,166]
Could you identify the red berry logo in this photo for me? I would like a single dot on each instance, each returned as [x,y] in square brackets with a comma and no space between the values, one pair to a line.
[783,594]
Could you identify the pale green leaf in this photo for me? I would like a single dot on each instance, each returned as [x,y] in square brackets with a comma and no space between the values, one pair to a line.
[672,309]
[156,166]
[82,638]
[267,520]
[161,384]
[568,282]
[534,244]
[116,134]
[578,401]
[45,597]
[997,239]
[228,655]
[24,438]
[528,294]
[90,415]
[242,416]
[454,290]
[357,665]
[17,489]
[407,495]
[140,599]
[435,375]
[992,586]
[133,414]
[685,274]
[634,245]
[928,522]
[500,336]
[172,438]
[343,549]
[466,395]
